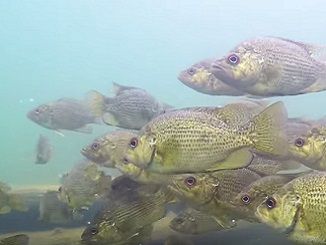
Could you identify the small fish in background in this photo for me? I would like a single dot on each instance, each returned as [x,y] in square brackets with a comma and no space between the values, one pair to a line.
[53,210]
[43,150]
[298,209]
[272,66]
[83,184]
[108,149]
[200,78]
[130,108]
[64,114]
[9,201]
[194,222]
[21,239]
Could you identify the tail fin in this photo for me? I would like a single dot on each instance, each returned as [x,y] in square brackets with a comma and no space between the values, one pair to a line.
[268,132]
[95,102]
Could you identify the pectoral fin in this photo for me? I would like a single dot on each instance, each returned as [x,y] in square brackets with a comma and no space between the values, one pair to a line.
[237,159]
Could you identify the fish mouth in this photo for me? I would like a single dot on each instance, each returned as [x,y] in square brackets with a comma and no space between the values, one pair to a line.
[219,71]
[182,78]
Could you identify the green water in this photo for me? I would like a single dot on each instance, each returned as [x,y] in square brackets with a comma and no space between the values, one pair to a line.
[63,48]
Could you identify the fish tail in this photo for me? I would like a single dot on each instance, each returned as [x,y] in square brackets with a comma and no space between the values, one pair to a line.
[267,131]
[95,102]
[16,202]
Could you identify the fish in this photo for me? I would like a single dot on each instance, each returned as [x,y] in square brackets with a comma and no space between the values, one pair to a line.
[196,140]
[53,210]
[64,114]
[258,191]
[130,108]
[298,209]
[272,66]
[295,127]
[141,175]
[200,78]
[240,111]
[211,193]
[109,148]
[264,166]
[123,220]
[21,239]
[125,189]
[310,148]
[43,150]
[194,222]
[82,184]
[177,240]
[9,201]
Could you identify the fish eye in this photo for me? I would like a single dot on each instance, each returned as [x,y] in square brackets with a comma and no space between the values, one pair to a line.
[270,202]
[37,111]
[299,142]
[133,142]
[246,199]
[190,181]
[179,220]
[233,59]
[191,71]
[93,230]
[95,146]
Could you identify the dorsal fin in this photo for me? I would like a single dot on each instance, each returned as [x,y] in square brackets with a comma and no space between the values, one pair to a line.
[312,49]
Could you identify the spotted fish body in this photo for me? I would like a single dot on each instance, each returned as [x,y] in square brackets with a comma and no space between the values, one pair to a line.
[270,66]
[198,140]
[130,108]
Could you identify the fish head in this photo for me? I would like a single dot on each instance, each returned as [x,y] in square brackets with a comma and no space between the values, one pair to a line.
[197,75]
[239,68]
[184,222]
[63,194]
[281,210]
[141,150]
[198,188]
[42,115]
[248,200]
[309,148]
[96,151]
[103,231]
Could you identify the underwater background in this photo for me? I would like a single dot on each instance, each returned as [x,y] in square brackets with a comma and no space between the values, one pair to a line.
[60,48]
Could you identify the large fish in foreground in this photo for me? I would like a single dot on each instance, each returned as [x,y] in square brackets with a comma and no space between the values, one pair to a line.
[298,208]
[271,66]
[64,113]
[200,78]
[194,140]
